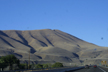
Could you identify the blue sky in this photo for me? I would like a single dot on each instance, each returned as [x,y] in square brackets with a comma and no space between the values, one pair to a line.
[85,19]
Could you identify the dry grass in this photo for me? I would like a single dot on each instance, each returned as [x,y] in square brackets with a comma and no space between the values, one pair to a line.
[50,45]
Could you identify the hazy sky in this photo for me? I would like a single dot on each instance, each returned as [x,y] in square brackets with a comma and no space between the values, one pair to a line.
[85,19]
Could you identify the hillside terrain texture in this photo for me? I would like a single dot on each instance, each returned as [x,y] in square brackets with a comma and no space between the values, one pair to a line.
[49,46]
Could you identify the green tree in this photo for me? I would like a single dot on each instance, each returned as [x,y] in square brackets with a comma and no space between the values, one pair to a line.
[49,65]
[23,66]
[2,63]
[57,64]
[45,65]
[9,60]
[39,66]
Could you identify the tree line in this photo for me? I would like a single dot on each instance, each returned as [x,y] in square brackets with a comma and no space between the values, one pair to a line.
[14,64]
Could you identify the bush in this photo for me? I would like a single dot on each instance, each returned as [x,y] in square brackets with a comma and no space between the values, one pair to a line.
[57,64]
[39,66]
[32,66]
[23,66]
[45,65]
[49,65]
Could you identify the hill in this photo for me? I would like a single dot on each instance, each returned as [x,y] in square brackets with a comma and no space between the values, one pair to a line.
[49,46]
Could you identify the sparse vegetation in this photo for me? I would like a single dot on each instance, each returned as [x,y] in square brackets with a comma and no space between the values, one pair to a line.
[23,66]
[57,64]
[13,63]
[45,65]
[39,66]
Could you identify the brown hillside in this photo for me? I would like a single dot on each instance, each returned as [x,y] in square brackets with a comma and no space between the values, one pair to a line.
[47,45]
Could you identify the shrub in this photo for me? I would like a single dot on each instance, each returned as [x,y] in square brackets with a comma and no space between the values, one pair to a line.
[49,65]
[57,64]
[23,66]
[45,65]
[39,66]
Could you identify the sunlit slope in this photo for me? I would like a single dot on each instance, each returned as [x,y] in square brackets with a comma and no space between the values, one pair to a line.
[47,45]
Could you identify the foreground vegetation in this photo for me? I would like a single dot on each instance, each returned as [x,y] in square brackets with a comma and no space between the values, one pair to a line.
[41,66]
[10,62]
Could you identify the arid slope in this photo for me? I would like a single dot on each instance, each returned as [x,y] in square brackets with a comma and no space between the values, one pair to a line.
[48,46]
